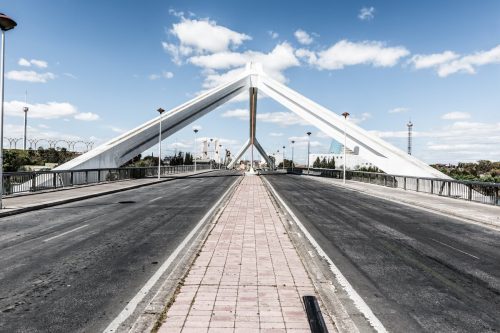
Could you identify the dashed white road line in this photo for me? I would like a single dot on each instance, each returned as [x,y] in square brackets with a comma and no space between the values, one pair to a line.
[357,300]
[65,233]
[132,304]
[153,200]
[454,248]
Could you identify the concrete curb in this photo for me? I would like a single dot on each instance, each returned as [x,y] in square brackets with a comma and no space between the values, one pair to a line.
[93,195]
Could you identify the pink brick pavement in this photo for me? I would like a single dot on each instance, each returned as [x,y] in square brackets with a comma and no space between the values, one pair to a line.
[248,276]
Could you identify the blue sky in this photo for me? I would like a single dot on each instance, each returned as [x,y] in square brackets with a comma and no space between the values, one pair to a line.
[94,69]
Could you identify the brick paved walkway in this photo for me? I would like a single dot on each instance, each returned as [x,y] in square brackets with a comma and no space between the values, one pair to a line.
[248,277]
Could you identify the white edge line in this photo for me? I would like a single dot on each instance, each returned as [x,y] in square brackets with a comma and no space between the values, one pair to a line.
[358,301]
[67,232]
[454,248]
[132,304]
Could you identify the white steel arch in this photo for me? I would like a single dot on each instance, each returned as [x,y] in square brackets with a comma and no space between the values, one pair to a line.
[385,156]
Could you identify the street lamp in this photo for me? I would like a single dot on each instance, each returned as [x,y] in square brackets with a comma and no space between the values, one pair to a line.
[211,154]
[6,23]
[308,149]
[195,130]
[283,157]
[218,155]
[293,142]
[160,110]
[345,114]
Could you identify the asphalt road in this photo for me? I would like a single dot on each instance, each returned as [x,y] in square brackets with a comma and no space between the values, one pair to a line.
[72,268]
[418,271]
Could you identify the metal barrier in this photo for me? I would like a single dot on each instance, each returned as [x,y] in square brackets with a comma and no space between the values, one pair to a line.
[482,192]
[33,181]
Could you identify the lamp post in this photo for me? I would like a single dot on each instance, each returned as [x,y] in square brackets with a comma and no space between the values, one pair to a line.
[194,157]
[160,110]
[25,109]
[218,155]
[283,157]
[6,23]
[308,149]
[345,114]
[211,153]
[293,143]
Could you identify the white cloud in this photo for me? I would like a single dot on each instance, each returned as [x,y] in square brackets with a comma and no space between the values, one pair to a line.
[273,34]
[39,63]
[398,110]
[274,134]
[167,75]
[86,116]
[274,63]
[206,36]
[70,75]
[346,53]
[366,13]
[455,116]
[116,129]
[303,37]
[242,114]
[29,76]
[281,118]
[308,55]
[12,130]
[432,60]
[468,64]
[301,141]
[24,62]
[164,74]
[448,62]
[359,119]
[460,141]
[51,110]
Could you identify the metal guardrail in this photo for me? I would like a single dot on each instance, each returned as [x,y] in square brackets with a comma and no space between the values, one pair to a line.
[482,192]
[33,181]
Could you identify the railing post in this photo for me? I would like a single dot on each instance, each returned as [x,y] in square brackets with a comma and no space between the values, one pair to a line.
[417,183]
[33,182]
[432,186]
[71,178]
[86,176]
[496,196]
[404,183]
[449,188]
[99,176]
[469,196]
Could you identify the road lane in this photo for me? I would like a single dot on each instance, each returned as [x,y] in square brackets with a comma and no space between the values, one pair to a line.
[82,278]
[418,271]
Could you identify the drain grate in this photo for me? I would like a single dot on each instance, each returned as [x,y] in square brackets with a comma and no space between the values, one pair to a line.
[314,316]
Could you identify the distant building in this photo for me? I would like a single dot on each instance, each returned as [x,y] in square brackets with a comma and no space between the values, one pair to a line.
[336,147]
[354,161]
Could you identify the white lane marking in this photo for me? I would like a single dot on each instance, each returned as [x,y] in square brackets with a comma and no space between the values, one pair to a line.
[132,305]
[153,200]
[454,248]
[357,300]
[65,233]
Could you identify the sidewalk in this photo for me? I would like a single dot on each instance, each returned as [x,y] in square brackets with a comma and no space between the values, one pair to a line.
[472,211]
[37,200]
[248,276]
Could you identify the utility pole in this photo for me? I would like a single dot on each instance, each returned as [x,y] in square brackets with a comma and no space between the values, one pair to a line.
[410,126]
